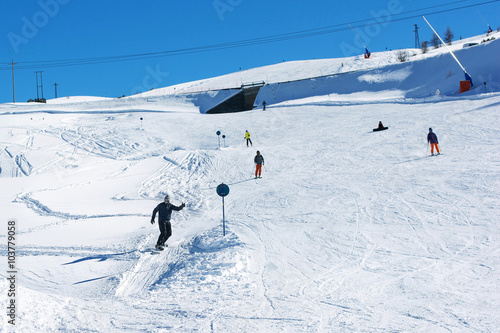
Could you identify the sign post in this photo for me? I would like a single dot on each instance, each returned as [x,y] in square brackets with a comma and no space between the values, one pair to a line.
[218,136]
[223,190]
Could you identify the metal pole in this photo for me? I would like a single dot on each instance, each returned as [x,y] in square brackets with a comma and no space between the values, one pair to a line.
[417,39]
[223,219]
[37,96]
[223,190]
[13,83]
[357,36]
[482,18]
[41,82]
[39,86]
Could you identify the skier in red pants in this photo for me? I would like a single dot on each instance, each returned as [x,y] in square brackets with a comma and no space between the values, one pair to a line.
[433,140]
[259,161]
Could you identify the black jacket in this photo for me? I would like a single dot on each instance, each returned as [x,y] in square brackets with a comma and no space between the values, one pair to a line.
[165,210]
[432,138]
[259,159]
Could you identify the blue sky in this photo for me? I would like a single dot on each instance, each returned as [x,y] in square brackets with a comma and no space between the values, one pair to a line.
[37,33]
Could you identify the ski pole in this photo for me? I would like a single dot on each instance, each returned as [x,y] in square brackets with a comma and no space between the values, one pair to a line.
[427,150]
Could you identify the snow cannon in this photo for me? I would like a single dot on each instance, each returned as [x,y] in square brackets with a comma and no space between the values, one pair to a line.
[367,53]
[464,85]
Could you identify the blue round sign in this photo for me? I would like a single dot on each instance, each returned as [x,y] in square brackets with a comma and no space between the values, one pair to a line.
[218,133]
[222,190]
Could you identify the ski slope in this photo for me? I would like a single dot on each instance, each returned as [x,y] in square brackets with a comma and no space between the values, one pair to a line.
[348,230]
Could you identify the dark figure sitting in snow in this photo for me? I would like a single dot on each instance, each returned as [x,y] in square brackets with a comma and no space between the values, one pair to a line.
[380,127]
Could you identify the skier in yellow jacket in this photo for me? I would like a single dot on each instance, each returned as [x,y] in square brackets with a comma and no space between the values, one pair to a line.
[247,137]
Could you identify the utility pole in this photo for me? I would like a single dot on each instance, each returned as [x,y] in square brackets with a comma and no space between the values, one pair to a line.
[417,40]
[13,83]
[39,86]
[55,85]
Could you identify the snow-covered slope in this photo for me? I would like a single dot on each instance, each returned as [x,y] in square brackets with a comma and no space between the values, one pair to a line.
[383,76]
[169,103]
[413,79]
[435,67]
[348,230]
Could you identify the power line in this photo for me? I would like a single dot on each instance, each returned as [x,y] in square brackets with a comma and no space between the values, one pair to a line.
[247,42]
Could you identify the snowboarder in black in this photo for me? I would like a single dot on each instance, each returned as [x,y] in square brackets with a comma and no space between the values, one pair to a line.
[165,212]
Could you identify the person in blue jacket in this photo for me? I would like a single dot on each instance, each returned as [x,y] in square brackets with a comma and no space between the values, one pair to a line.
[433,140]
[165,212]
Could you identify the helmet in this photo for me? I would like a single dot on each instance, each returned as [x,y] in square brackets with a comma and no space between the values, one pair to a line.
[167,198]
[430,129]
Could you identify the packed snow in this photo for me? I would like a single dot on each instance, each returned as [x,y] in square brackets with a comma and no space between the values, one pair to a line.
[348,229]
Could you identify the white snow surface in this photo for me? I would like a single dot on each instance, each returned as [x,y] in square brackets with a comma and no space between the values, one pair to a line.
[348,229]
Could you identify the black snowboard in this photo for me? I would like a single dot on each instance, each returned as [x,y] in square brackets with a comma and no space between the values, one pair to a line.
[380,129]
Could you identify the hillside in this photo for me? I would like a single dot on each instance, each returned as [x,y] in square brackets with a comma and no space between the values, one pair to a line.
[436,67]
[382,76]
